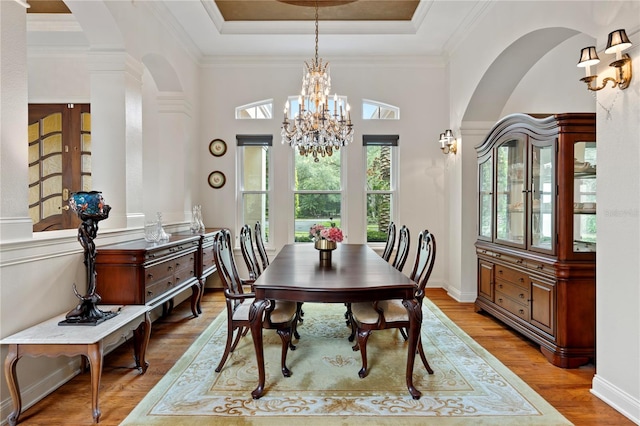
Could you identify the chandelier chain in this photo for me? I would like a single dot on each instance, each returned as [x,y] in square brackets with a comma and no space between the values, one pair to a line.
[316,31]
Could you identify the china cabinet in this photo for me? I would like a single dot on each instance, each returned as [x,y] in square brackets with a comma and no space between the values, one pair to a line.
[536,240]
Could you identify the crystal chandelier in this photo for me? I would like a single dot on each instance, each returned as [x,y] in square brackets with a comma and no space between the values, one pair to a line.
[316,129]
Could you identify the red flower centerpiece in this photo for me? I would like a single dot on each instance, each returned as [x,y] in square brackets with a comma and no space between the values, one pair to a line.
[325,240]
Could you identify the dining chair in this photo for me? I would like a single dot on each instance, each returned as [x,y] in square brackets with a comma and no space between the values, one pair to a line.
[248,252]
[281,315]
[384,314]
[260,246]
[403,248]
[391,241]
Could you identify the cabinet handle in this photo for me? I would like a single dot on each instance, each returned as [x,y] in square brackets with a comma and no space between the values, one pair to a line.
[500,300]
[151,255]
[521,279]
[540,267]
[519,261]
[500,271]
[177,264]
[149,293]
[172,250]
[180,247]
[498,255]
[521,312]
[521,296]
[150,276]
[483,251]
[170,268]
[499,285]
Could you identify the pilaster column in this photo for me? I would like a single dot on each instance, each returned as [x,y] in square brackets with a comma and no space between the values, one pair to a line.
[15,223]
[116,135]
[175,146]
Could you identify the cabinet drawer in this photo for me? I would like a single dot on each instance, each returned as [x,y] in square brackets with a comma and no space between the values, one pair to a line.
[158,273]
[513,291]
[511,275]
[158,289]
[510,305]
[185,263]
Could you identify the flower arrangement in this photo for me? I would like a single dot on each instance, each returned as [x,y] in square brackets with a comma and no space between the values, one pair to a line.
[321,232]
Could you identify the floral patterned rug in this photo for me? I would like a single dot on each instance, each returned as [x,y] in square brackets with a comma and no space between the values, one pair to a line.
[469,386]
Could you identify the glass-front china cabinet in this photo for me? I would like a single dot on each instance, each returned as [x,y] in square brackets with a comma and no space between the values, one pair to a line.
[537,231]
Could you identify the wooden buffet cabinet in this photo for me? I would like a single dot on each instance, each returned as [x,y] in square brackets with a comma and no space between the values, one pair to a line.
[142,273]
[536,241]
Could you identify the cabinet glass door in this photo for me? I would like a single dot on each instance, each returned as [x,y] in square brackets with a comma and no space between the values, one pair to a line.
[543,188]
[510,192]
[584,197]
[485,177]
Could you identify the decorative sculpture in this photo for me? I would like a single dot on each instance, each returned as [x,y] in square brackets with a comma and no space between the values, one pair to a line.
[90,208]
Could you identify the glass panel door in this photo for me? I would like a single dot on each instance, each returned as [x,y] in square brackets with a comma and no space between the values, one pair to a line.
[510,192]
[543,187]
[584,197]
[485,177]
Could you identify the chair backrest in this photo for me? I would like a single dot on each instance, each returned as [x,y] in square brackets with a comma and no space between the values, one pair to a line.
[248,252]
[391,241]
[425,259]
[260,246]
[403,248]
[225,263]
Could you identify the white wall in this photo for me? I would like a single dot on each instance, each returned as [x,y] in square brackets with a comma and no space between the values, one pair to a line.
[405,83]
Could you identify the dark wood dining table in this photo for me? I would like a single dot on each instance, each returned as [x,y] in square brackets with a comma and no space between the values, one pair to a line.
[356,274]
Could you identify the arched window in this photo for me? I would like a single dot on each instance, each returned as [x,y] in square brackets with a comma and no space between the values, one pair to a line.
[260,110]
[373,110]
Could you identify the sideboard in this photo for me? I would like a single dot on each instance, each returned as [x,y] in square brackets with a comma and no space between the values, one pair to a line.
[143,273]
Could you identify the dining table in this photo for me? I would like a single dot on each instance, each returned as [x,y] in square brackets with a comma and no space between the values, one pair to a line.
[355,273]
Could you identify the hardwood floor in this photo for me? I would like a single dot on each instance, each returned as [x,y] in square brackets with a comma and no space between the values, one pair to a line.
[122,388]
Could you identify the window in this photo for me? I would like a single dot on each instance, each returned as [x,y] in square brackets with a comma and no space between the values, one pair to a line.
[372,110]
[260,110]
[317,193]
[254,184]
[381,183]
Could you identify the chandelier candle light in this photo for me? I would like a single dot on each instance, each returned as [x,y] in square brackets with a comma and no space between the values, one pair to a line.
[315,129]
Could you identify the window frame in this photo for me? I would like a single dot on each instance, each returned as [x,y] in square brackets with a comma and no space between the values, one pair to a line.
[379,106]
[265,141]
[392,141]
[255,105]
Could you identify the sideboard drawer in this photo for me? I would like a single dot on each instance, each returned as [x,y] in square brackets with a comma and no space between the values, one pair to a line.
[510,275]
[510,305]
[513,291]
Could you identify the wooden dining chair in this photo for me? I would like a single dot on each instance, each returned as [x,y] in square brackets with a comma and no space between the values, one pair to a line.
[260,246]
[248,252]
[391,241]
[281,315]
[404,240]
[384,314]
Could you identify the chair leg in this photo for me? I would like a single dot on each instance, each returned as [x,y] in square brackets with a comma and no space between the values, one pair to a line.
[285,336]
[242,331]
[424,358]
[227,348]
[404,333]
[299,319]
[363,336]
[351,323]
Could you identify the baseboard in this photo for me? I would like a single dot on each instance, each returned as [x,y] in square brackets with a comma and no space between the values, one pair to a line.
[33,394]
[458,296]
[621,401]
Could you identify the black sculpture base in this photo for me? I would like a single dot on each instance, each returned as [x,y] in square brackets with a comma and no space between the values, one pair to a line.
[87,313]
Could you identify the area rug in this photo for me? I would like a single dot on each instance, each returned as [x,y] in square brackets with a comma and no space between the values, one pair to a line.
[469,386]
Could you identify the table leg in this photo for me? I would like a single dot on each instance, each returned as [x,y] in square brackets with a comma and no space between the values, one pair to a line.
[255,318]
[94,353]
[140,340]
[12,382]
[415,322]
[195,296]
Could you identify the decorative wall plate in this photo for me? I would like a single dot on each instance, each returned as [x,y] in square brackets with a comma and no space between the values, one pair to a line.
[218,147]
[217,179]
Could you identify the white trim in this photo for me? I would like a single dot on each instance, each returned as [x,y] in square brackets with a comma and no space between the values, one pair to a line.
[620,400]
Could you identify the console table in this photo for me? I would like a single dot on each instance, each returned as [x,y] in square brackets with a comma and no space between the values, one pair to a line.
[52,340]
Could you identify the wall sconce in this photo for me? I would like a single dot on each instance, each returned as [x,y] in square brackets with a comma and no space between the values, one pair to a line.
[448,142]
[618,41]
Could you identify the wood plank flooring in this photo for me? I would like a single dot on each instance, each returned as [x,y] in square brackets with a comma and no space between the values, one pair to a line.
[122,387]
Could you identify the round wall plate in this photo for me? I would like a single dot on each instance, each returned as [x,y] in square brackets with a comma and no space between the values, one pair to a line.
[217,179]
[218,147]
